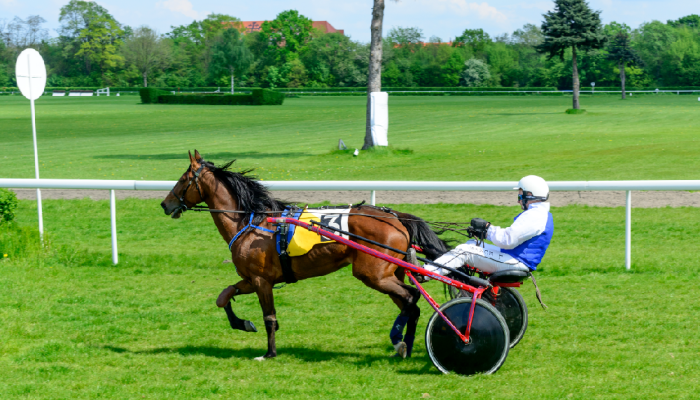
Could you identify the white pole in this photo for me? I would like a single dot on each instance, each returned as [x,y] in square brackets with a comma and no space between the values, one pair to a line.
[628,231]
[36,173]
[373,197]
[113,212]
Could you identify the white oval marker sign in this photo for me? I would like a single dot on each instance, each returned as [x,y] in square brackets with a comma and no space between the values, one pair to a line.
[31,74]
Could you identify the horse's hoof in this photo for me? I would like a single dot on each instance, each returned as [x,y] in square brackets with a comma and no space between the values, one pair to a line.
[249,327]
[401,350]
[261,358]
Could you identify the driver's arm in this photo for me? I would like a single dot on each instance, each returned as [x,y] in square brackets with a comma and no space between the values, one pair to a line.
[527,226]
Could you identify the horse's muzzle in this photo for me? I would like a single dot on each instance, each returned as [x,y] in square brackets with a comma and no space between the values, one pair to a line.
[174,212]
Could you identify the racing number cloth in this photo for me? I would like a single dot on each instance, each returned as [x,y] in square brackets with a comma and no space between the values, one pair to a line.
[303,239]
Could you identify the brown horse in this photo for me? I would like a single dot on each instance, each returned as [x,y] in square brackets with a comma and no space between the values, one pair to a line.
[255,256]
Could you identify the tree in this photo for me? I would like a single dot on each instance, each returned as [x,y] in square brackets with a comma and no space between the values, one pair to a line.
[146,51]
[229,54]
[477,39]
[289,32]
[99,44]
[620,51]
[404,36]
[90,32]
[374,76]
[451,70]
[691,21]
[475,74]
[77,15]
[333,59]
[530,36]
[21,34]
[572,25]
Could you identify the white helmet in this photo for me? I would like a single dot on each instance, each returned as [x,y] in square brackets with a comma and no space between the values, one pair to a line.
[536,185]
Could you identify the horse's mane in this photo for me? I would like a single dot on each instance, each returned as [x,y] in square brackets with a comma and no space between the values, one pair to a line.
[252,196]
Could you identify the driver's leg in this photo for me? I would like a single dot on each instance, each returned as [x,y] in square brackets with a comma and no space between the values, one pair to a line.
[488,259]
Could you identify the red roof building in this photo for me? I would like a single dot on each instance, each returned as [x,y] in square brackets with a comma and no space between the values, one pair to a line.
[255,26]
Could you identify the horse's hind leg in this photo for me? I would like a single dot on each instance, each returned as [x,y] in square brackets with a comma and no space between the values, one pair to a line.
[379,275]
[408,318]
[224,300]
[414,315]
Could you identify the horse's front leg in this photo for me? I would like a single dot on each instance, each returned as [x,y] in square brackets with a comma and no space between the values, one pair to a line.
[224,300]
[267,303]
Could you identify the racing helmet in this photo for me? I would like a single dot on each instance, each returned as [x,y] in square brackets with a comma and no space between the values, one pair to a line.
[535,185]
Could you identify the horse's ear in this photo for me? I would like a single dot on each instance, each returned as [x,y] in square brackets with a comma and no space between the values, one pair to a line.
[197,156]
[193,162]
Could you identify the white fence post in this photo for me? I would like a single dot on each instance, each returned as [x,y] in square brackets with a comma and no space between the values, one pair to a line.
[628,231]
[113,214]
[373,197]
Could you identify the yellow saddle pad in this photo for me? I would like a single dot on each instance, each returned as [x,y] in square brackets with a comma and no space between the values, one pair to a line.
[303,239]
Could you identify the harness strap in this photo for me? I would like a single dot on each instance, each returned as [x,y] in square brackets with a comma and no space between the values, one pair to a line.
[245,228]
[287,271]
[285,232]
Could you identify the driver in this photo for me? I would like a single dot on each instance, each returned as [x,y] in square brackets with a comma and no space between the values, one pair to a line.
[521,246]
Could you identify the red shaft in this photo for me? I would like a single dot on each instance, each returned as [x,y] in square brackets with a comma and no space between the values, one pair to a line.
[393,260]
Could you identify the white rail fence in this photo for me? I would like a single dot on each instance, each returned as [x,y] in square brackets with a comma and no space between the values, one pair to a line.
[371,186]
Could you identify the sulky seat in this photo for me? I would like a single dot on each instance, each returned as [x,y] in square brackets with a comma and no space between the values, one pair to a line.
[508,276]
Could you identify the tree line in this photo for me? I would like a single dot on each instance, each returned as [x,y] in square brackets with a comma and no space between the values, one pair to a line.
[93,49]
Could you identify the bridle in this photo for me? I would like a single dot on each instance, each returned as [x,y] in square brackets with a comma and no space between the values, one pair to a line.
[182,206]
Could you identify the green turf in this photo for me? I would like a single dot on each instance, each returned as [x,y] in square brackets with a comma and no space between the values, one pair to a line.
[451,138]
[73,326]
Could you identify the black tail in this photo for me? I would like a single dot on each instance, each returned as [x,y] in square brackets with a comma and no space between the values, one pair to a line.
[421,235]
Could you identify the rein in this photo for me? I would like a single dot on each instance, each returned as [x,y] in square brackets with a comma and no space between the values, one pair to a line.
[457,227]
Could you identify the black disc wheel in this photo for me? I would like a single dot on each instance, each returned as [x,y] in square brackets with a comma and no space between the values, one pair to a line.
[510,303]
[488,340]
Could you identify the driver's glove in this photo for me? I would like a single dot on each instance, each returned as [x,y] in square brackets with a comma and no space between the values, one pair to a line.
[480,227]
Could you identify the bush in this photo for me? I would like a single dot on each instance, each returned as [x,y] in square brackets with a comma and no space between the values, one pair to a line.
[150,95]
[573,111]
[265,97]
[213,99]
[8,205]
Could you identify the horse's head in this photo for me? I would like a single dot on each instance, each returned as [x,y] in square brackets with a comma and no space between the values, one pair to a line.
[187,191]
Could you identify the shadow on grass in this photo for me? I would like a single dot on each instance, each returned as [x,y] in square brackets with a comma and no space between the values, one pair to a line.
[183,156]
[416,366]
[524,113]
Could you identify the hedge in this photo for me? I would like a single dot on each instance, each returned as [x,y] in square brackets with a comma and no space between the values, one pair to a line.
[257,98]
[358,89]
[267,97]
[420,89]
[628,88]
[150,95]
[224,99]
[134,89]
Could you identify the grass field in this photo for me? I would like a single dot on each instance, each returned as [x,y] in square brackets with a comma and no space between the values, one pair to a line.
[73,326]
[452,138]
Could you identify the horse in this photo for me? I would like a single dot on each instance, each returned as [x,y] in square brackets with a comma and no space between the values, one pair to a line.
[254,252]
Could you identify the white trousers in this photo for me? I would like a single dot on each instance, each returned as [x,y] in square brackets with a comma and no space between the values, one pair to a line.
[488,259]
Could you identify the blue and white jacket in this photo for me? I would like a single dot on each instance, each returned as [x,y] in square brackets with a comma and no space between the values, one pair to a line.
[529,236]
